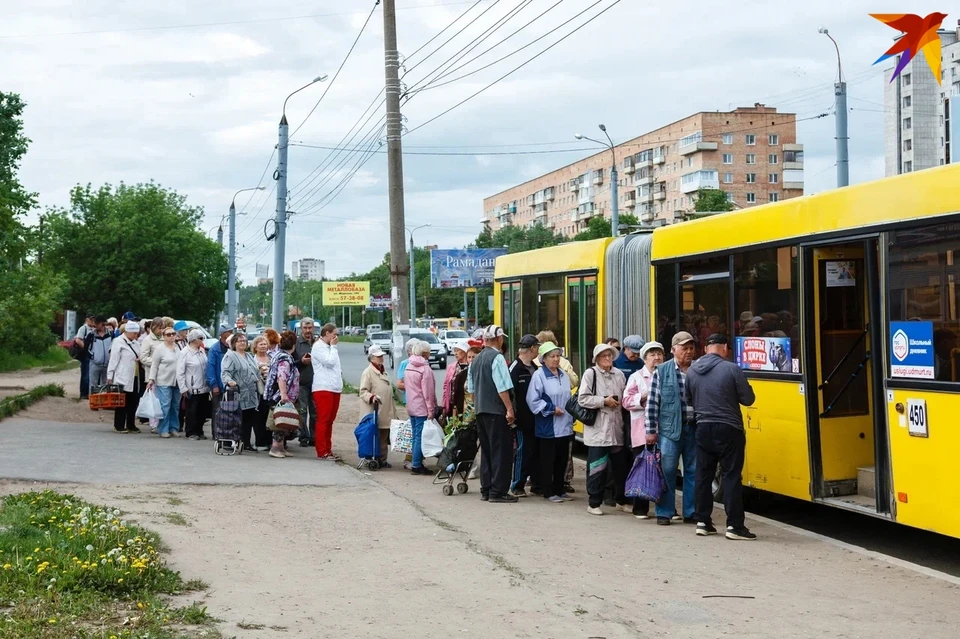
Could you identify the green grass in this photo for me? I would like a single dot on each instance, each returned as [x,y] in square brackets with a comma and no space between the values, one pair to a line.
[10,406]
[350,389]
[73,569]
[176,519]
[55,356]
[353,339]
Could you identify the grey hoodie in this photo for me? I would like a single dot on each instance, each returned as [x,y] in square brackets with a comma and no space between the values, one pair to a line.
[717,388]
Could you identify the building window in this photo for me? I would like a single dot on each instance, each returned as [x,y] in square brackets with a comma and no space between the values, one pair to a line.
[773,140]
[907,124]
[766,292]
[751,198]
[728,178]
[729,196]
[923,267]
[728,158]
[751,139]
[751,158]
[728,138]
[773,178]
[907,100]
[907,145]
[905,80]
[773,158]
[907,166]
[774,197]
[751,178]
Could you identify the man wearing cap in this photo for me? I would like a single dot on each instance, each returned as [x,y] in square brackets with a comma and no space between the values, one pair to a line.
[717,389]
[305,405]
[489,380]
[214,359]
[84,359]
[521,370]
[670,420]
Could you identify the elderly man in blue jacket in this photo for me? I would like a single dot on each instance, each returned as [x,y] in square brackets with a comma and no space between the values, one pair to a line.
[214,358]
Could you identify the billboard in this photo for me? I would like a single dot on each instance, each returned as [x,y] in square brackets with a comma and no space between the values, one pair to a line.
[765,354]
[380,302]
[463,268]
[346,293]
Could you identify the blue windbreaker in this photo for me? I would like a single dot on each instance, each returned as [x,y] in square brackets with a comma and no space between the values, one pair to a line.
[546,392]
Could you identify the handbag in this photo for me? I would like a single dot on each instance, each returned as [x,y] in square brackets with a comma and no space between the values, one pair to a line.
[283,418]
[401,436]
[646,479]
[586,416]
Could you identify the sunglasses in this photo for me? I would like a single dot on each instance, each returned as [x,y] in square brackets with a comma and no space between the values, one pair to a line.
[169,334]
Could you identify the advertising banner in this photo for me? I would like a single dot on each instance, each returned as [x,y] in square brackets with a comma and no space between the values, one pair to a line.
[379,302]
[346,293]
[841,273]
[463,268]
[765,354]
[911,350]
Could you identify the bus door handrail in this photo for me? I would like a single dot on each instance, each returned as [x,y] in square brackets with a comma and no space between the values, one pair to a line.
[843,388]
[844,359]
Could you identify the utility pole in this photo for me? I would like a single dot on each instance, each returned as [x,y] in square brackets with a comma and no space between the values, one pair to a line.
[614,188]
[395,162]
[413,289]
[840,93]
[466,314]
[232,256]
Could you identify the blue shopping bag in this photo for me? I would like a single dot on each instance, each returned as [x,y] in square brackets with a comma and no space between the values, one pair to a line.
[368,437]
[646,479]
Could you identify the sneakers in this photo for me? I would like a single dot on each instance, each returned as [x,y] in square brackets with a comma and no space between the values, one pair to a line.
[385,464]
[676,518]
[165,435]
[594,511]
[407,465]
[134,430]
[704,529]
[624,508]
[689,520]
[423,470]
[567,488]
[276,454]
[556,499]
[193,438]
[641,516]
[741,533]
[565,497]
[503,499]
[519,493]
[484,497]
[663,521]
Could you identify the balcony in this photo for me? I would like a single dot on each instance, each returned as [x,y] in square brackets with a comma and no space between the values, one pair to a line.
[660,195]
[659,159]
[696,147]
[531,199]
[793,179]
[598,177]
[575,185]
[548,193]
[628,166]
[644,164]
[643,181]
[540,217]
[692,182]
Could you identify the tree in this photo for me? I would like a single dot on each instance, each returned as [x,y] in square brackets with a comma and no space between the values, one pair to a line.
[15,201]
[599,227]
[711,201]
[136,248]
[518,238]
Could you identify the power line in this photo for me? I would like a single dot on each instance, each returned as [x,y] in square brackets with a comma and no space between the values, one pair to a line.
[460,153]
[462,29]
[337,74]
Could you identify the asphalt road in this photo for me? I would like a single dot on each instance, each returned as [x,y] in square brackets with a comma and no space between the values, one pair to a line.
[353,362]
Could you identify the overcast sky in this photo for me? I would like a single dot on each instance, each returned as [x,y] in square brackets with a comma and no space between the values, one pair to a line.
[189,94]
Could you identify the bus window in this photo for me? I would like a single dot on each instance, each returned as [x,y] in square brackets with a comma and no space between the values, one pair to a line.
[666,292]
[705,299]
[924,277]
[551,306]
[766,293]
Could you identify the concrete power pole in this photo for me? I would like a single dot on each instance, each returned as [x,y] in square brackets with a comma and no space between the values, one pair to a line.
[398,269]
[281,239]
[232,269]
[840,92]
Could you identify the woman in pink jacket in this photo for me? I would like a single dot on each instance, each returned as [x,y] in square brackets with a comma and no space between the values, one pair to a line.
[421,400]
[635,401]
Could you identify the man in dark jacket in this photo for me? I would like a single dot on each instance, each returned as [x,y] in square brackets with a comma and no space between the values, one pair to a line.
[717,388]
[521,370]
[305,405]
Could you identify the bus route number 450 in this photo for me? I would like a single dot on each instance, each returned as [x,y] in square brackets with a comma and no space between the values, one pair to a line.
[917,424]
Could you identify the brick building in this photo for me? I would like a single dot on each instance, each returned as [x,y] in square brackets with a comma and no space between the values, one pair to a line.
[750,153]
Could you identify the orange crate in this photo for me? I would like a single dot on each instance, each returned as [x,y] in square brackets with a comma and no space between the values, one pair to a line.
[110,398]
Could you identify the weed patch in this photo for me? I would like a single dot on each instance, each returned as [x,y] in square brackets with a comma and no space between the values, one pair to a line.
[10,406]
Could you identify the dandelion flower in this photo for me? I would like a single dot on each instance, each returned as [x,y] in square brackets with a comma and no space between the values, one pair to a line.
[89,547]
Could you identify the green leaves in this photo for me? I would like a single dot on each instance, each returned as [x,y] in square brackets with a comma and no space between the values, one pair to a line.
[712,200]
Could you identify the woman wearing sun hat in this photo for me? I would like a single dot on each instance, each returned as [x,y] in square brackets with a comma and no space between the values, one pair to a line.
[547,395]
[601,388]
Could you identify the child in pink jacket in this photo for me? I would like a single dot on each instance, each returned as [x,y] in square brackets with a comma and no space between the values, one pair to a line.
[421,391]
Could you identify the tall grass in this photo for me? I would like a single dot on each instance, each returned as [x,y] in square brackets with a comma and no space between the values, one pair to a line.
[54,356]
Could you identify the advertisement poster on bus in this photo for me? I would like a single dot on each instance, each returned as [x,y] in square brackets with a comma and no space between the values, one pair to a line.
[463,268]
[764,354]
[911,350]
[841,273]
[346,293]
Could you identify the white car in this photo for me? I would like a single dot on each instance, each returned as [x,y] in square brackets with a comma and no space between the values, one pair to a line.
[451,336]
[383,339]
[438,350]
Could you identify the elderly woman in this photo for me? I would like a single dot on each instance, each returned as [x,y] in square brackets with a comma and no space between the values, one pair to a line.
[401,386]
[421,400]
[635,401]
[192,381]
[262,358]
[601,388]
[182,331]
[376,392]
[283,385]
[162,378]
[240,373]
[273,342]
[123,369]
[547,395]
[460,354]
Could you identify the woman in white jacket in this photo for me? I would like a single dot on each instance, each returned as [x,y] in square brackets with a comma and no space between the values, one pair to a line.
[123,370]
[192,381]
[162,379]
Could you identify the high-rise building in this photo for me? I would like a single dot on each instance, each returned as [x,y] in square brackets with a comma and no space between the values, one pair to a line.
[750,153]
[308,269]
[922,116]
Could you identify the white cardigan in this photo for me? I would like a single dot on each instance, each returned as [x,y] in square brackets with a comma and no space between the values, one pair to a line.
[122,368]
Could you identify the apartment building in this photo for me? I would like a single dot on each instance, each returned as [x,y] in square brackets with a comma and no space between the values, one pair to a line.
[308,269]
[921,115]
[750,153]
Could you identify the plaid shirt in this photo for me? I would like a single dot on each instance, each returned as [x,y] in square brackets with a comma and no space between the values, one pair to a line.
[653,401]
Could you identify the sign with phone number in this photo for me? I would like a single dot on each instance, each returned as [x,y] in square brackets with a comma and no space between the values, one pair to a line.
[346,293]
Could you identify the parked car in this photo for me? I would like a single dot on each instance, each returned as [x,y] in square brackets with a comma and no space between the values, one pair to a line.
[438,350]
[373,328]
[382,339]
[450,336]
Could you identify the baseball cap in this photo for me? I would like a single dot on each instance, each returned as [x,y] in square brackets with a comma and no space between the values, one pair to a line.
[224,328]
[717,338]
[528,341]
[492,332]
[682,337]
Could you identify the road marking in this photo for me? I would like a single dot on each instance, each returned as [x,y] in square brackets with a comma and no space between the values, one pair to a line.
[873,554]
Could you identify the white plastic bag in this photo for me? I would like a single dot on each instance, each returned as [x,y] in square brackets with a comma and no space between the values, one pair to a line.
[150,407]
[431,440]
[401,436]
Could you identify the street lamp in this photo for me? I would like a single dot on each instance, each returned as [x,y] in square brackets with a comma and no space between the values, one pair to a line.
[281,177]
[413,288]
[840,92]
[232,263]
[614,186]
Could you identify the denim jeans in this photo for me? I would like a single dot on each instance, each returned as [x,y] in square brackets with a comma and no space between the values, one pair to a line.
[416,424]
[84,377]
[169,397]
[97,374]
[670,455]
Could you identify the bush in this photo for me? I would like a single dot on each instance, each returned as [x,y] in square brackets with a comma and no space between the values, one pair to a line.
[27,299]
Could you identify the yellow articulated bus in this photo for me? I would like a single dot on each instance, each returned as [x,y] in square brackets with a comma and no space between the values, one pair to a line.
[843,309]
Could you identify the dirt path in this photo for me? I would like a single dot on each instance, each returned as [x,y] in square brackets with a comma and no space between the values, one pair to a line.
[33,377]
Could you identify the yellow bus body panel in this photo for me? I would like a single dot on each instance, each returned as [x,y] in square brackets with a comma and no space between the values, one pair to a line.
[776,426]
[925,468]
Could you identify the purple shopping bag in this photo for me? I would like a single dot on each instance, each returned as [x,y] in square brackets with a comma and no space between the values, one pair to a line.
[646,477]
